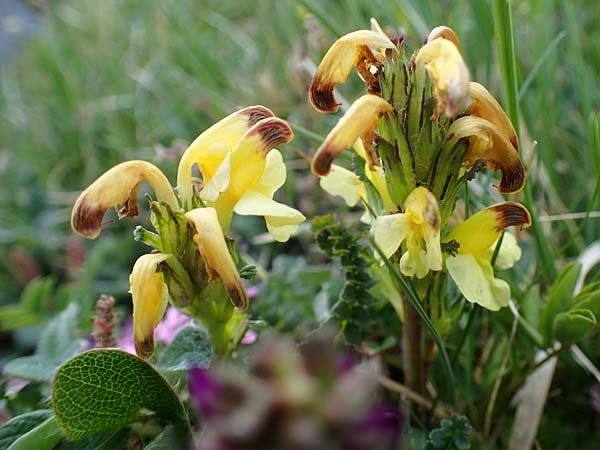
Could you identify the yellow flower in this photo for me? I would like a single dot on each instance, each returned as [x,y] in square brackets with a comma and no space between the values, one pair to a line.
[240,171]
[211,244]
[246,177]
[118,186]
[352,50]
[441,60]
[150,298]
[358,122]
[419,225]
[346,184]
[471,268]
[236,172]
[488,143]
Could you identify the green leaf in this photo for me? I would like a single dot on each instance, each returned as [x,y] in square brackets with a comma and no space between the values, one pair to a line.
[190,348]
[58,343]
[17,426]
[559,298]
[103,390]
[573,325]
[588,300]
[43,437]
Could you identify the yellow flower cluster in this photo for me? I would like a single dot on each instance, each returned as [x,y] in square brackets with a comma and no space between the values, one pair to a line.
[423,128]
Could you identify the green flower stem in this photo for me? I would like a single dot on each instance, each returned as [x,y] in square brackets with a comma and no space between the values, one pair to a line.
[219,338]
[213,309]
[413,360]
[415,302]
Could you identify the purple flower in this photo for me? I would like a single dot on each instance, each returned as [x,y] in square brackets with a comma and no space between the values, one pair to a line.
[205,391]
[382,429]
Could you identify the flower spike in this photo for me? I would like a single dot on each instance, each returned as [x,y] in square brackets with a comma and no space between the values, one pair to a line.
[209,149]
[212,247]
[360,120]
[150,299]
[487,142]
[484,105]
[443,63]
[118,186]
[349,51]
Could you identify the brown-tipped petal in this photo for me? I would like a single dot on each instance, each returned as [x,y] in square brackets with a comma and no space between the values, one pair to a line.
[150,298]
[446,33]
[484,105]
[226,133]
[481,230]
[118,186]
[212,246]
[361,119]
[347,52]
[444,65]
[487,142]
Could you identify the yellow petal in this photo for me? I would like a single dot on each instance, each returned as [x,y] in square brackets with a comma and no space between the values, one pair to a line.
[212,247]
[414,262]
[150,299]
[481,230]
[488,143]
[424,220]
[118,186]
[347,52]
[389,231]
[282,221]
[376,176]
[221,178]
[444,65]
[360,119]
[248,162]
[208,158]
[444,32]
[508,254]
[475,280]
[344,183]
[484,105]
[274,175]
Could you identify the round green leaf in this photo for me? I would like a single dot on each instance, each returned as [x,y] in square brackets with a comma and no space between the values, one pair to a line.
[102,390]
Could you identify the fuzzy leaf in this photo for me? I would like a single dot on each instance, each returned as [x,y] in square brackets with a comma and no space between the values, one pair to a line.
[190,348]
[102,390]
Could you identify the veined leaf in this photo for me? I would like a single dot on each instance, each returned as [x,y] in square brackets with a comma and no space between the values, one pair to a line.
[103,390]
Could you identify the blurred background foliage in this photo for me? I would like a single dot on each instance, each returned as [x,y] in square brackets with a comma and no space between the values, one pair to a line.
[99,82]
